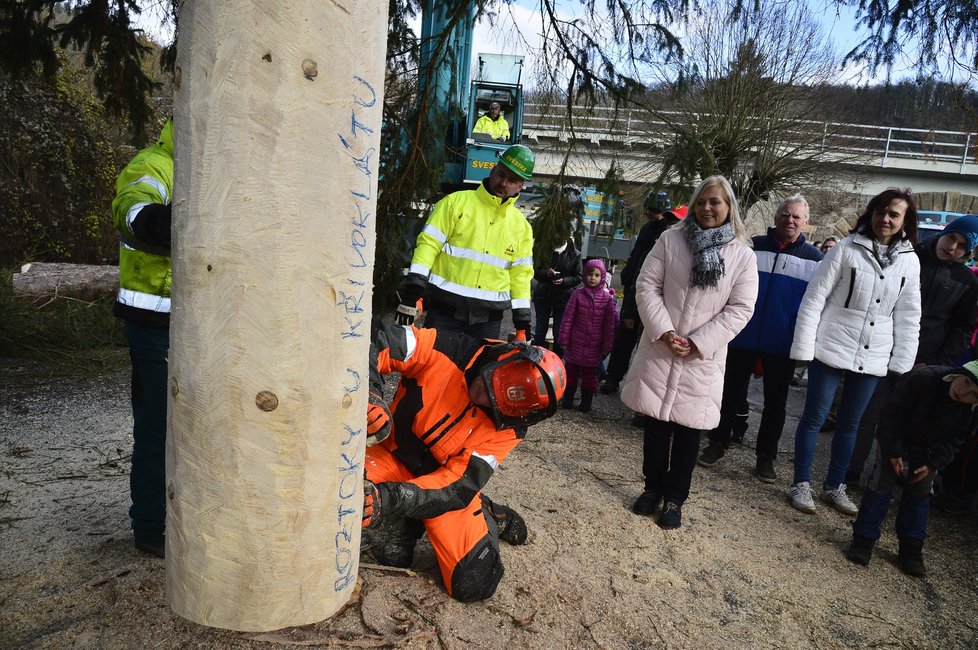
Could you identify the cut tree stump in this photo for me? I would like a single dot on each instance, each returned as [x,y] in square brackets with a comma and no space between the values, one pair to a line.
[82,281]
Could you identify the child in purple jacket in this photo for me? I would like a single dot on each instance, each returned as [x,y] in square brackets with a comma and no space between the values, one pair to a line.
[587,332]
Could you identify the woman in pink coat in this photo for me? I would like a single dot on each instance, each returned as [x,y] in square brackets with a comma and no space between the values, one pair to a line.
[695,292]
[587,332]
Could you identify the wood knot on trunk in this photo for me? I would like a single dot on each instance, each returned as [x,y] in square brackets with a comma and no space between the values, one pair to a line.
[266,400]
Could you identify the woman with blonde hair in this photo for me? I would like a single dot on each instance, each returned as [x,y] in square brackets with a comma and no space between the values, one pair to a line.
[695,292]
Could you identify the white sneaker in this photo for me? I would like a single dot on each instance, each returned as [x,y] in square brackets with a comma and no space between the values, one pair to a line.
[839,500]
[802,497]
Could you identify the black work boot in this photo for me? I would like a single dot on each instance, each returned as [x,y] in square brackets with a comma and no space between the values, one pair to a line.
[712,454]
[608,386]
[911,557]
[155,547]
[512,528]
[860,550]
[586,398]
[646,504]
[764,469]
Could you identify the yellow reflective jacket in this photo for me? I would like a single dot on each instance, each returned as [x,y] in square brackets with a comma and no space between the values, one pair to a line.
[476,253]
[496,128]
[144,270]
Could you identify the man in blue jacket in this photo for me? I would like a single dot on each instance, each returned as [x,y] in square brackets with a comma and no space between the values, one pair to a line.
[785,264]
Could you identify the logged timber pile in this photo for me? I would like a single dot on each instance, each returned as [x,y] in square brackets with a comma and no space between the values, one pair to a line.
[277,122]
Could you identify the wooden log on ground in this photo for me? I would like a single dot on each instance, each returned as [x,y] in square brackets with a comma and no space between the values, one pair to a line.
[83,281]
[277,119]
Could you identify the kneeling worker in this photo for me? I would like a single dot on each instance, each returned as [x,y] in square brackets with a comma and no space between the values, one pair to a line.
[461,407]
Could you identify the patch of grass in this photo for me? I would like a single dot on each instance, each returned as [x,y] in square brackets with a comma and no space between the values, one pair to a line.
[65,331]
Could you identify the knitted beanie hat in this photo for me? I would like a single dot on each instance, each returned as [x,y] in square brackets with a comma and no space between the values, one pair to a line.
[967,225]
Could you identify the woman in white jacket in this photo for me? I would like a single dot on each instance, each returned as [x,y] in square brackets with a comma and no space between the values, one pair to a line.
[859,319]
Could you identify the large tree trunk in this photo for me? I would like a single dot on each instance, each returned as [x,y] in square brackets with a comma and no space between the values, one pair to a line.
[278,116]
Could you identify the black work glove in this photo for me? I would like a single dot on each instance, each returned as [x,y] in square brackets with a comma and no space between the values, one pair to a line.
[522,328]
[378,419]
[380,498]
[407,311]
[152,225]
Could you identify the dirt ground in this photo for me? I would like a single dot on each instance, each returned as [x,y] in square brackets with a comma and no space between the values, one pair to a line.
[745,571]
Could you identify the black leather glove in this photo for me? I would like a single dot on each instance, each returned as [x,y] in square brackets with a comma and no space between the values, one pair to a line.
[409,295]
[524,327]
[152,225]
[380,498]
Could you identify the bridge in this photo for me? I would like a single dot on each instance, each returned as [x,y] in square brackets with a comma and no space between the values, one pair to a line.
[926,160]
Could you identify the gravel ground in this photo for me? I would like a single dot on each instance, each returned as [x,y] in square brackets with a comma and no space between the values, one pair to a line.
[745,571]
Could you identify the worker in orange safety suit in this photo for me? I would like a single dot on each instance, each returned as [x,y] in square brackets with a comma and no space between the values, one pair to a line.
[461,407]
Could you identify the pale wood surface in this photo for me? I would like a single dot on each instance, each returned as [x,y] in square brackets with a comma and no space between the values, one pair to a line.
[82,281]
[277,116]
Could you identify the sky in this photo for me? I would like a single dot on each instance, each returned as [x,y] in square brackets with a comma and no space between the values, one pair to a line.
[504,37]
[838,22]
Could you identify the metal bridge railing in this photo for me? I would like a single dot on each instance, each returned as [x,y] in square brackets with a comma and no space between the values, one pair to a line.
[637,127]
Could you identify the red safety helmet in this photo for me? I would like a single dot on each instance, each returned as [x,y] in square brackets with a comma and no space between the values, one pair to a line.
[524,383]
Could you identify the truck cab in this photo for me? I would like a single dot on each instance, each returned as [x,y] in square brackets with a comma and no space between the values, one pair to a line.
[497,80]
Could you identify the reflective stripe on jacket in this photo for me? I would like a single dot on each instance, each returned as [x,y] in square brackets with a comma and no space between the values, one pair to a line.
[476,251]
[144,271]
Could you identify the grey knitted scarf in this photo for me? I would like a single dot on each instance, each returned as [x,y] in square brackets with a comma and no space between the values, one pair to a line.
[885,255]
[708,266]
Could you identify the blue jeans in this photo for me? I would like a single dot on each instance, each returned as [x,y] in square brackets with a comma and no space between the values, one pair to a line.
[911,519]
[822,382]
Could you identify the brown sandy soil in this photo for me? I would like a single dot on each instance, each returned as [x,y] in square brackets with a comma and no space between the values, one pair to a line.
[745,571]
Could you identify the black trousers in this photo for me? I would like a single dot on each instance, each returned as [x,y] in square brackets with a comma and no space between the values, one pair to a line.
[148,349]
[736,380]
[621,351]
[959,480]
[669,456]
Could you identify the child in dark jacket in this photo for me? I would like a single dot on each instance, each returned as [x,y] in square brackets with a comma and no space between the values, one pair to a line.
[927,417]
[587,333]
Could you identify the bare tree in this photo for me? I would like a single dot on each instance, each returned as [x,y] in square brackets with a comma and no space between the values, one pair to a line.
[747,103]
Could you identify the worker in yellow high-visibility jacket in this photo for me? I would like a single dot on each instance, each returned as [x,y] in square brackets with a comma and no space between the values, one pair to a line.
[493,123]
[474,258]
[141,212]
